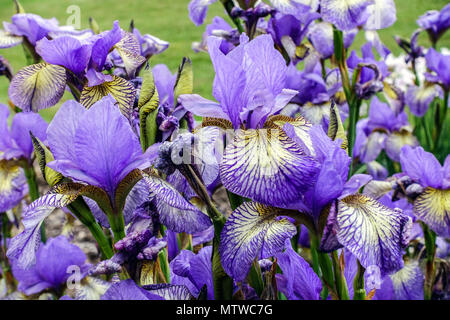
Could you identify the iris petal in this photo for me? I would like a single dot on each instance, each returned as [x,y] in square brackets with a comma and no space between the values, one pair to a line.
[122,90]
[13,187]
[375,234]
[252,229]
[433,207]
[8,40]
[266,166]
[38,86]
[345,14]
[176,213]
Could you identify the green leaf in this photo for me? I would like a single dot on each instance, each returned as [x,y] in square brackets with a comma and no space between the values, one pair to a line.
[185,79]
[44,156]
[148,109]
[19,8]
[124,188]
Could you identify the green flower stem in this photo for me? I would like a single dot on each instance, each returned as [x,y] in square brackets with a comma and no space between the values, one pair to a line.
[223,284]
[359,292]
[441,120]
[428,137]
[164,264]
[339,278]
[255,278]
[33,190]
[430,271]
[117,224]
[326,267]
[83,213]
[6,268]
[353,119]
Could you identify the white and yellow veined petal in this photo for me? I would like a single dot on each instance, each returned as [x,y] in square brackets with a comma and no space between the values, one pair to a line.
[374,233]
[433,207]
[267,166]
[13,186]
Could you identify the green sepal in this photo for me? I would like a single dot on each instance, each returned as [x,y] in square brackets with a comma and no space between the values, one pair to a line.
[148,109]
[44,156]
[336,129]
[124,188]
[185,79]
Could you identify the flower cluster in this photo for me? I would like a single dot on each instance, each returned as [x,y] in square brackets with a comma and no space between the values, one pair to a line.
[317,172]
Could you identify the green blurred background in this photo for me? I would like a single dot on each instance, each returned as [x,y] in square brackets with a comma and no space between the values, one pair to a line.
[168,20]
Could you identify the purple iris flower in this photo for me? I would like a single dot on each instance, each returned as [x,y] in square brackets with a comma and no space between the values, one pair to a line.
[419,98]
[194,271]
[345,14]
[128,290]
[383,130]
[219,28]
[288,31]
[435,22]
[321,36]
[431,205]
[96,146]
[15,143]
[248,93]
[372,73]
[13,185]
[295,7]
[198,10]
[55,260]
[150,45]
[250,85]
[439,64]
[298,280]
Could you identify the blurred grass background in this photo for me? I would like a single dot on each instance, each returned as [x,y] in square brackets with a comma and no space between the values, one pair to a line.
[168,20]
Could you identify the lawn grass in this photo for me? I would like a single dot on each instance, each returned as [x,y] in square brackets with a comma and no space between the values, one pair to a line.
[168,20]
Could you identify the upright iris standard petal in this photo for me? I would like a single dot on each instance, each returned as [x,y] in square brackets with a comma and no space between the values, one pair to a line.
[375,234]
[345,14]
[382,14]
[266,166]
[104,42]
[298,280]
[176,213]
[422,166]
[38,86]
[65,51]
[433,207]
[198,10]
[104,147]
[253,230]
[23,123]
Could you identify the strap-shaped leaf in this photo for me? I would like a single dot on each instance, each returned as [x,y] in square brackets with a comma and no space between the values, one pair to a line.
[336,128]
[38,86]
[129,50]
[433,207]
[120,89]
[252,230]
[185,79]
[44,156]
[8,40]
[124,188]
[148,109]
